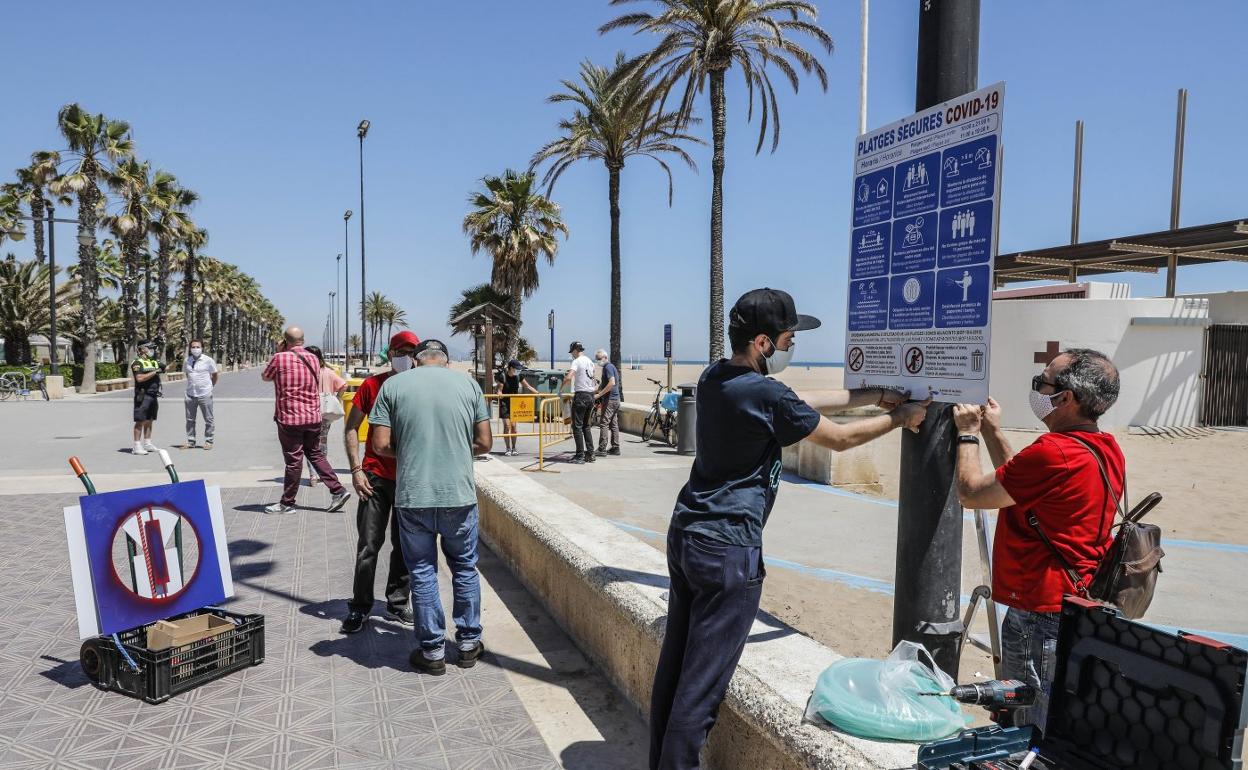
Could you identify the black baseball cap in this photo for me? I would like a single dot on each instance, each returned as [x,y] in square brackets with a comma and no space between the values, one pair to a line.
[514,364]
[770,312]
[575,346]
[430,345]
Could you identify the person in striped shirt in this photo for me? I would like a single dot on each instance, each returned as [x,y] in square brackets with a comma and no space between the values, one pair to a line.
[294,373]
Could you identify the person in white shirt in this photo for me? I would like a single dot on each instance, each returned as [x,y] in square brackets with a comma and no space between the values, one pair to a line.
[581,377]
[201,378]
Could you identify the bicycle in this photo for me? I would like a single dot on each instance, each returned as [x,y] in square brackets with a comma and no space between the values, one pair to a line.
[18,384]
[662,415]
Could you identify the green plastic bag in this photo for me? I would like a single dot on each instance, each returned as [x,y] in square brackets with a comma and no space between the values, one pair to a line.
[880,698]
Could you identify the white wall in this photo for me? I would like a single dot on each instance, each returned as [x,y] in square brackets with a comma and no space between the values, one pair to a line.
[1157,345]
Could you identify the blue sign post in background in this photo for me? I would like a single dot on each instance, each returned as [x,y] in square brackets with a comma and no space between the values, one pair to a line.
[926,195]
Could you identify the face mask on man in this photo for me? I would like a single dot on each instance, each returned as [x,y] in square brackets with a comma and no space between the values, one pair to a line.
[401,363]
[779,359]
[1041,405]
[196,352]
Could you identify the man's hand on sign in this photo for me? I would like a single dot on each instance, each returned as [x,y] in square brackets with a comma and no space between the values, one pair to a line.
[967,417]
[890,399]
[991,414]
[911,414]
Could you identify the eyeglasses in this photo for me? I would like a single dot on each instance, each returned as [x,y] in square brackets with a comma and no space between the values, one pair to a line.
[1038,381]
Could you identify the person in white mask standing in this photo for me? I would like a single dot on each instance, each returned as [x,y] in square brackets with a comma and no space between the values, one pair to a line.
[715,541]
[201,379]
[1058,500]
[374,480]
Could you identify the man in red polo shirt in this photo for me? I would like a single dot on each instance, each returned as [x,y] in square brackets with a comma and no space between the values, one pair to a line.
[1055,484]
[295,374]
[374,481]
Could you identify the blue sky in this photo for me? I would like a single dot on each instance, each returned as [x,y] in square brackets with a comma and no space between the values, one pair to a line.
[254,105]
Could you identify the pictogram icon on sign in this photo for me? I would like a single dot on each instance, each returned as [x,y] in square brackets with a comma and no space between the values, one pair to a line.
[855,359]
[914,360]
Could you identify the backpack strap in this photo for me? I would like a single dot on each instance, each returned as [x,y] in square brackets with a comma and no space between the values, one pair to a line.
[1080,587]
[316,376]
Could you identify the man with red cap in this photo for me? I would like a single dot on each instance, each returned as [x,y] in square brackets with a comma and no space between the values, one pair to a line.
[374,481]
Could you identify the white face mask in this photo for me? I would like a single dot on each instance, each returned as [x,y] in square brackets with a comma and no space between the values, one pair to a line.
[779,359]
[1041,405]
[196,352]
[401,363]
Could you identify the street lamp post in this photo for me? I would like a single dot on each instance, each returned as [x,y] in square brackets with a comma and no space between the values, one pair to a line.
[337,291]
[362,131]
[550,324]
[346,300]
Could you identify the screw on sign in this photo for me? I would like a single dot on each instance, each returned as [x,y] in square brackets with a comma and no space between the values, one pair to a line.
[855,359]
[914,360]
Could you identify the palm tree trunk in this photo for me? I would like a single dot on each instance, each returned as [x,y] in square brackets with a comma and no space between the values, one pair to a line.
[188,306]
[162,297]
[718,111]
[37,210]
[613,193]
[88,275]
[130,293]
[513,332]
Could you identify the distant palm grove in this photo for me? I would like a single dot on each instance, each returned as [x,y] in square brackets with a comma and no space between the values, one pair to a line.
[146,278]
[644,107]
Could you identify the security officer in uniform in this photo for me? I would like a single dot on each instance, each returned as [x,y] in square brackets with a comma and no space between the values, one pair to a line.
[146,371]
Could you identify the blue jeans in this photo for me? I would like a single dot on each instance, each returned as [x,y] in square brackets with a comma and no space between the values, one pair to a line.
[715,591]
[1028,652]
[419,529]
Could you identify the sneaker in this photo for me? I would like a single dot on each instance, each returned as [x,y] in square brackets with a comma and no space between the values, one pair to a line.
[600,453]
[190,444]
[207,445]
[279,508]
[149,446]
[577,460]
[138,449]
[614,451]
[469,657]
[589,457]
[402,615]
[427,665]
[338,500]
[354,622]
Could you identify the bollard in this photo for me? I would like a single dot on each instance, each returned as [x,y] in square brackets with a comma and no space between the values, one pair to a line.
[687,420]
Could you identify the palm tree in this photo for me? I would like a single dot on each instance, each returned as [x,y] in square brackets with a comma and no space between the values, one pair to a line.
[31,188]
[376,308]
[171,221]
[191,240]
[354,343]
[24,304]
[94,143]
[394,316]
[131,180]
[611,122]
[700,41]
[515,225]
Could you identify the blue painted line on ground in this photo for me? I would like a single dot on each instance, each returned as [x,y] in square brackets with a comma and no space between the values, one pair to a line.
[1203,545]
[885,587]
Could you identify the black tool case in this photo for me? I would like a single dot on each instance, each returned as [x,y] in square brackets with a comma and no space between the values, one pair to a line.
[1124,695]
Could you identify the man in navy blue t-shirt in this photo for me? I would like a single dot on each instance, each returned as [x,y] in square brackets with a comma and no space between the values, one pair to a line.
[714,544]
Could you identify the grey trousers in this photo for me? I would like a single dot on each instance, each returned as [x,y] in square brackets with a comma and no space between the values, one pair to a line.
[204,404]
[610,426]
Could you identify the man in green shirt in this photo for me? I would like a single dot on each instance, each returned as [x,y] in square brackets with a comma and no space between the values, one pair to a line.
[146,371]
[433,421]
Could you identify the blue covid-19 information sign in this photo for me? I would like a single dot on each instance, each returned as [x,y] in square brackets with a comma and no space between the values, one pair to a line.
[926,193]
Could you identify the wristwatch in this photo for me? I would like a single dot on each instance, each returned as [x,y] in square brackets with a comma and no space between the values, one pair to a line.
[967,438]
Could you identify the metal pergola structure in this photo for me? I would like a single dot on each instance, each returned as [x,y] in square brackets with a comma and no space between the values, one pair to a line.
[1148,253]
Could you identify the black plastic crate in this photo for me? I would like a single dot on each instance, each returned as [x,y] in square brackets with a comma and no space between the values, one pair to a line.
[162,674]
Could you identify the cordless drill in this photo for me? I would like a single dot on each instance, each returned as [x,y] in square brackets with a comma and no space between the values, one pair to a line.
[997,696]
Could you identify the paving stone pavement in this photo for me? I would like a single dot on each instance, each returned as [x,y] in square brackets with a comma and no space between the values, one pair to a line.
[318,700]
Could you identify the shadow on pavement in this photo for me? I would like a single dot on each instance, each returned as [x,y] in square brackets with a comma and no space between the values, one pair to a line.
[67,673]
[623,575]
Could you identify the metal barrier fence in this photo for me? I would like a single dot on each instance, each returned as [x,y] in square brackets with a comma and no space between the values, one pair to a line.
[545,411]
